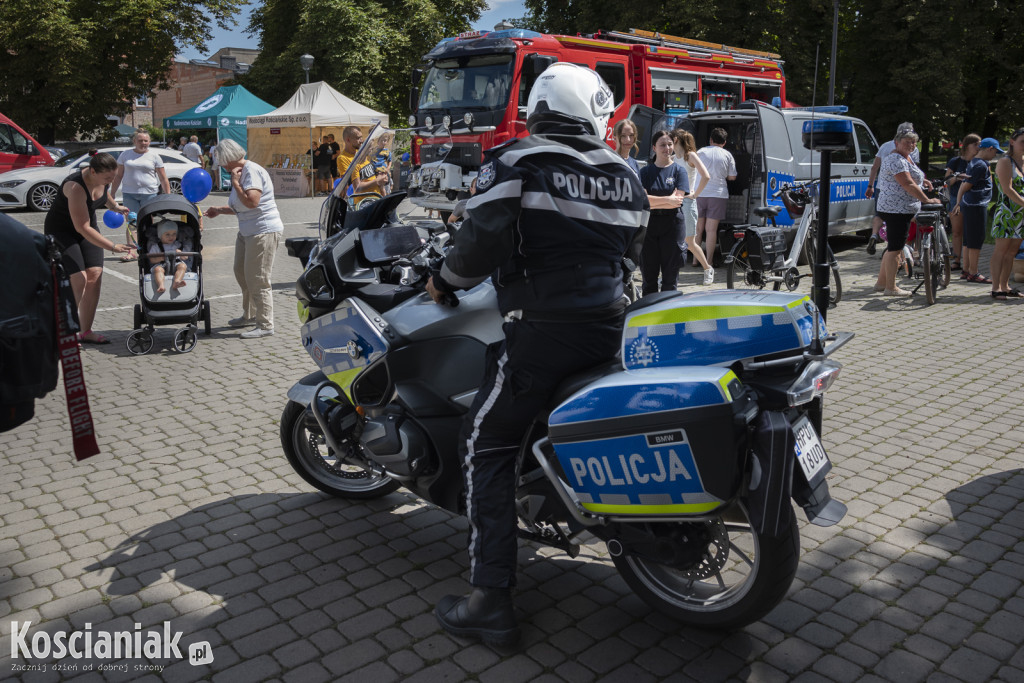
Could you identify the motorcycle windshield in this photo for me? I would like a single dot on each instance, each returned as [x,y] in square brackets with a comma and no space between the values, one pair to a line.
[477,82]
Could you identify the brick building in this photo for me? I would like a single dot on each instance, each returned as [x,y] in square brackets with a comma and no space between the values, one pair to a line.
[189,82]
[193,81]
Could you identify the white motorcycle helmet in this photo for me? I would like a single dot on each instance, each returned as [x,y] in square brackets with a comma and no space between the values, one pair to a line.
[569,91]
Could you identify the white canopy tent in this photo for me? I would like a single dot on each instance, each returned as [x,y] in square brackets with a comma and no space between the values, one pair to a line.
[313,111]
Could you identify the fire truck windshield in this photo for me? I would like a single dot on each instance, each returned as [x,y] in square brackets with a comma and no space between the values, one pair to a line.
[478,82]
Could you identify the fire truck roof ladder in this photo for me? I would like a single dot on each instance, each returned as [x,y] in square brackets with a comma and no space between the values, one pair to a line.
[640,36]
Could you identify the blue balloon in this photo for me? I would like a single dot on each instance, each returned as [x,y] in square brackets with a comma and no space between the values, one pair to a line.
[113,219]
[196,185]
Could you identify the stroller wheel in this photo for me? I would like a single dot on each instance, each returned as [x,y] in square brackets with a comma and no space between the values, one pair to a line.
[138,317]
[139,342]
[185,339]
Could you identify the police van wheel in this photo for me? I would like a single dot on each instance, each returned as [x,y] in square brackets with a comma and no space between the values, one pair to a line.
[307,452]
[741,576]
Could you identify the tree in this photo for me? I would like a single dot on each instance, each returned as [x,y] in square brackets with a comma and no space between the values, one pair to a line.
[66,64]
[366,48]
[899,60]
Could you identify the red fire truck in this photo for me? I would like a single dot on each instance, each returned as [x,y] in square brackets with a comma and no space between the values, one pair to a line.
[473,91]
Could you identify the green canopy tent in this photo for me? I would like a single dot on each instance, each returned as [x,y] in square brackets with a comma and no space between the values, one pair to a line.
[225,110]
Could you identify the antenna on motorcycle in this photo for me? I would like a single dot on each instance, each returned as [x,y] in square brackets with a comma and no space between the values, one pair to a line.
[816,347]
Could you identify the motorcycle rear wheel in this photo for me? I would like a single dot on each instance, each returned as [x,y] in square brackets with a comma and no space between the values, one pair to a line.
[307,451]
[743,586]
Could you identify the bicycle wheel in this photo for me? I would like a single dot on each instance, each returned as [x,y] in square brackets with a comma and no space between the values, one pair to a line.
[944,253]
[835,284]
[931,274]
[739,274]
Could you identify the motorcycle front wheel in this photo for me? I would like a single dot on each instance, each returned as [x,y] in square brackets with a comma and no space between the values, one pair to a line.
[742,576]
[307,451]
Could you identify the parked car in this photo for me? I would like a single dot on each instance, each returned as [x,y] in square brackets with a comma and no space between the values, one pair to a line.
[36,188]
[18,149]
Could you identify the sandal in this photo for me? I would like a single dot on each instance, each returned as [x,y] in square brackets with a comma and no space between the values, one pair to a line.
[998,296]
[955,265]
[979,279]
[128,258]
[1014,294]
[94,339]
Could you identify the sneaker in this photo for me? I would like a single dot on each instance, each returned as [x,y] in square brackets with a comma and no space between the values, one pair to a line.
[242,322]
[709,276]
[896,292]
[257,332]
[871,245]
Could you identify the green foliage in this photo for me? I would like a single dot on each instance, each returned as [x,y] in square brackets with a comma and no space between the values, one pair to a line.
[950,66]
[66,64]
[364,49]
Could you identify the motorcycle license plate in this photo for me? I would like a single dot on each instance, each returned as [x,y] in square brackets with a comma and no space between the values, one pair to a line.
[809,451]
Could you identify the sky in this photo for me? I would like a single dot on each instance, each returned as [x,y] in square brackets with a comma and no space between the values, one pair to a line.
[498,10]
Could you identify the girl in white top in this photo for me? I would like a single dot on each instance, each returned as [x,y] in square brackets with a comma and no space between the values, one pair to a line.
[687,157]
[140,175]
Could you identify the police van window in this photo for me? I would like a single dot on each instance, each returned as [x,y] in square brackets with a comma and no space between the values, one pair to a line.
[615,76]
[868,148]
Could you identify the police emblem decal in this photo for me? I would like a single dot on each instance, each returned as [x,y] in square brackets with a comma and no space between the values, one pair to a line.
[486,176]
[601,97]
[643,352]
[773,183]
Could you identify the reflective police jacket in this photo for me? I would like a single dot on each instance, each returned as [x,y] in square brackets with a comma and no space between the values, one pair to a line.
[552,218]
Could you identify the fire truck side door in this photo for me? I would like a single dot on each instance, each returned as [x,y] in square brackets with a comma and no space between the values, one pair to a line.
[647,121]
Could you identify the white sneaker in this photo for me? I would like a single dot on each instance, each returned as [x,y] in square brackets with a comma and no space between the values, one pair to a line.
[709,276]
[242,322]
[256,333]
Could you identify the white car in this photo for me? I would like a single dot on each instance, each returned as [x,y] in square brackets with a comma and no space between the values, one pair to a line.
[36,188]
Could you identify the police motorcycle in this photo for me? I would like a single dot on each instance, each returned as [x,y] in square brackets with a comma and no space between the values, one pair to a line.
[682,456]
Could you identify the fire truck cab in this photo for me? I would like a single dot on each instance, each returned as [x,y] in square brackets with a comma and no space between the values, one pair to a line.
[473,91]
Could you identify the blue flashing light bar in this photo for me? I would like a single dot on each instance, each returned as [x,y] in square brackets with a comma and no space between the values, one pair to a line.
[824,109]
[827,134]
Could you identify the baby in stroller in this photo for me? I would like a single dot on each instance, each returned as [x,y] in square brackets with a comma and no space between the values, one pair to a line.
[166,251]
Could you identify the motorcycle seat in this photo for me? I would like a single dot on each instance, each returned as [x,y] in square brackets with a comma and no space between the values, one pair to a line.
[650,300]
[573,383]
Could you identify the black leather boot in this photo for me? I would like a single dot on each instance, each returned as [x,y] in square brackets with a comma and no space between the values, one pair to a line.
[486,613]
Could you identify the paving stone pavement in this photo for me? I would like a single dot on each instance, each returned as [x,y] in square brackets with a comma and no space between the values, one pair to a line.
[192,515]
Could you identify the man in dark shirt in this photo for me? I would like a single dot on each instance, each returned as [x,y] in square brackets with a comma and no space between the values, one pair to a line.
[323,162]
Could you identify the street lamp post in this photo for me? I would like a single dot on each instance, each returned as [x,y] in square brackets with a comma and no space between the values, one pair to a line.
[306,61]
[832,64]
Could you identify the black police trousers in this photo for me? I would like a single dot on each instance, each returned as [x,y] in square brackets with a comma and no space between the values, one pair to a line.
[523,373]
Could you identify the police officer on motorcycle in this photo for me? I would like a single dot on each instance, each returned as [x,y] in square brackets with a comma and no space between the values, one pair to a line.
[553,217]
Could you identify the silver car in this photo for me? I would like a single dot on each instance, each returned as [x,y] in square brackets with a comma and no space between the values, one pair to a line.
[36,188]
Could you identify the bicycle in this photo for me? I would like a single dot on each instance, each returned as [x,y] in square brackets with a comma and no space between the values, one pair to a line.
[932,243]
[757,258]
